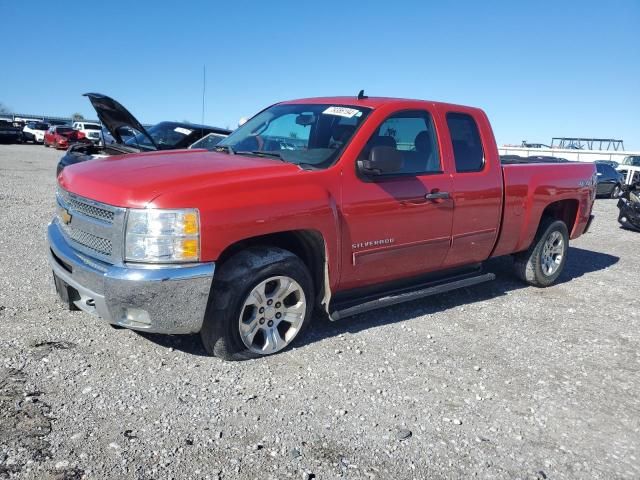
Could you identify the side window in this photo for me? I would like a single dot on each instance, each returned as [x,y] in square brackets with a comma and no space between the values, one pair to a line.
[413,134]
[465,139]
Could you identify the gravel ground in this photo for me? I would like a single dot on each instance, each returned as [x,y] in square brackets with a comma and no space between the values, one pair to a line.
[498,381]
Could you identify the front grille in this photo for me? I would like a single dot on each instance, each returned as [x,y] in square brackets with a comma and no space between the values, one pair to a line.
[97,244]
[92,227]
[89,210]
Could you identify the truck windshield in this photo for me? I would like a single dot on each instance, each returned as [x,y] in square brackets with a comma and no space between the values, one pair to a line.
[633,160]
[304,134]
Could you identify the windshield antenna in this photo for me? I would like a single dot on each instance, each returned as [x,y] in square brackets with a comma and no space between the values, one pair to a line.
[361,95]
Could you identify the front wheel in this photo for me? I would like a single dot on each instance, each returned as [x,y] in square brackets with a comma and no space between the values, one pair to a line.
[261,300]
[545,259]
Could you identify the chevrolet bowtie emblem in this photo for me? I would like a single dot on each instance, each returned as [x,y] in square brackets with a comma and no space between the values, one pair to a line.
[65,216]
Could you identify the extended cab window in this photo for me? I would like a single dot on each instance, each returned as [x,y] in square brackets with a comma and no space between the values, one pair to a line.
[413,134]
[465,139]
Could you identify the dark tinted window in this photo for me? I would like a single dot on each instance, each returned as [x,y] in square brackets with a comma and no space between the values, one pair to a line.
[606,170]
[465,139]
[413,134]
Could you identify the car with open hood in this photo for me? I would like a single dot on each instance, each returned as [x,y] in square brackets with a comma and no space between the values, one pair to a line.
[120,123]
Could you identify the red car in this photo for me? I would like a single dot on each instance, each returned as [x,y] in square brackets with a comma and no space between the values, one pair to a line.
[60,137]
[337,204]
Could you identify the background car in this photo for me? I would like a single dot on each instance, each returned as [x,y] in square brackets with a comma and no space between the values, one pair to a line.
[10,133]
[208,141]
[125,134]
[609,181]
[121,123]
[91,131]
[61,137]
[611,163]
[34,131]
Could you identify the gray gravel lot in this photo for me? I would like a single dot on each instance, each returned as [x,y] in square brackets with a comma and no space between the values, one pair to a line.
[498,381]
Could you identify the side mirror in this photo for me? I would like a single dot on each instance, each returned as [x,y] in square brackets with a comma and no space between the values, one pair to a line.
[382,160]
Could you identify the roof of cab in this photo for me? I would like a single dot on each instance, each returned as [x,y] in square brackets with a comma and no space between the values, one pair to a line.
[371,102]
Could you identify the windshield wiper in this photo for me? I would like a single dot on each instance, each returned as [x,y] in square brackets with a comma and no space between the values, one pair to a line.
[223,148]
[265,153]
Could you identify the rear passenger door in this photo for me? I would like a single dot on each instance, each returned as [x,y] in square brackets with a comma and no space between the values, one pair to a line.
[477,187]
[393,229]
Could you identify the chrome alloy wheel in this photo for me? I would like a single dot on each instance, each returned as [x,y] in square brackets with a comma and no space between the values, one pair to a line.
[272,315]
[552,253]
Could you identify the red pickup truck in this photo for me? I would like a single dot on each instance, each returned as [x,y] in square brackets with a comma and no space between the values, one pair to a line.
[333,204]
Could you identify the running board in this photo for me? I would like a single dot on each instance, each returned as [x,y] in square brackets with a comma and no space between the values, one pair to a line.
[407,296]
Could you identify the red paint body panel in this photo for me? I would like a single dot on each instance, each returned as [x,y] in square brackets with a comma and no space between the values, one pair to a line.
[373,231]
[61,140]
[529,189]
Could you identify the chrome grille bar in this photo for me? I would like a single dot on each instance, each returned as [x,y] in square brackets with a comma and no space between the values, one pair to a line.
[91,227]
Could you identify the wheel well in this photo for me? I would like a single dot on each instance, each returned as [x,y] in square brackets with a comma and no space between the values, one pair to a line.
[565,210]
[308,245]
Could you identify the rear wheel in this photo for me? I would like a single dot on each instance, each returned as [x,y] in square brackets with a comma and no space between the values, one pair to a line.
[544,261]
[615,193]
[262,299]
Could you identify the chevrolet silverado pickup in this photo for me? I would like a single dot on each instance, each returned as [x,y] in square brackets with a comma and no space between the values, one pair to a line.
[338,205]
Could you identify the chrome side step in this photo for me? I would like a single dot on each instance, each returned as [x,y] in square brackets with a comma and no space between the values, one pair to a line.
[407,296]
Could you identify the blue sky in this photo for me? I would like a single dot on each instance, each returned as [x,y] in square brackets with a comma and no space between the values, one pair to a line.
[539,68]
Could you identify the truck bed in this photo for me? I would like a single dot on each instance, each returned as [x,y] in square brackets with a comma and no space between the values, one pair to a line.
[531,187]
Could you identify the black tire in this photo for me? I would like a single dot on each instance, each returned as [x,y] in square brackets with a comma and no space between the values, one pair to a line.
[528,265]
[615,193]
[233,283]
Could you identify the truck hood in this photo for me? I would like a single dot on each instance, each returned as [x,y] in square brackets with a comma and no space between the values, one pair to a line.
[134,180]
[113,116]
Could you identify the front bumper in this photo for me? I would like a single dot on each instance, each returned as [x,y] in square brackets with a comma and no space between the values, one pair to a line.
[163,299]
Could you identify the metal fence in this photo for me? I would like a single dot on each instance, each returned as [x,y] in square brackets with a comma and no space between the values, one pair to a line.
[28,117]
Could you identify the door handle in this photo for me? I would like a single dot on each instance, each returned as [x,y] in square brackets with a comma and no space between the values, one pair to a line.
[437,196]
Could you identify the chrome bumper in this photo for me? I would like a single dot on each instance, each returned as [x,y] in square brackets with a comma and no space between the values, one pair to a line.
[159,299]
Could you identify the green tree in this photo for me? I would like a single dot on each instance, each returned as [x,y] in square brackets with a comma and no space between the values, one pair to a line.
[77,117]
[4,108]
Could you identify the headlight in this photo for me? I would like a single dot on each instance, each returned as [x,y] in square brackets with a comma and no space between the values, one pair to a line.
[162,236]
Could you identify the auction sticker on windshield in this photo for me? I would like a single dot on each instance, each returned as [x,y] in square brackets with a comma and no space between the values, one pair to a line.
[342,112]
[184,131]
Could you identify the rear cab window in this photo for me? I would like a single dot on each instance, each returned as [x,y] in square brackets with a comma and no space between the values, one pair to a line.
[466,143]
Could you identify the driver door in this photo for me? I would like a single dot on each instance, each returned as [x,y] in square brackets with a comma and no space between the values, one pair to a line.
[398,224]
